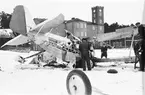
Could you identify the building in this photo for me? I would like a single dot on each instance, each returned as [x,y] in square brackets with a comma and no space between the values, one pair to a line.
[98,15]
[82,29]
[77,27]
[98,18]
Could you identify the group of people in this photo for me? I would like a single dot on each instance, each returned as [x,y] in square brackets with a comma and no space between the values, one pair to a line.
[86,50]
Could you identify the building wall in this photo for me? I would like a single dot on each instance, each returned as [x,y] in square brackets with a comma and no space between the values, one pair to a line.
[83,29]
[78,28]
[92,30]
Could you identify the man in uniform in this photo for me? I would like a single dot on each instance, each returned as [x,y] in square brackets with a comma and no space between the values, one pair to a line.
[104,51]
[84,48]
[141,30]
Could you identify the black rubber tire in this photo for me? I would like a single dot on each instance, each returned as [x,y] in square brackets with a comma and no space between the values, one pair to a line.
[85,79]
[112,71]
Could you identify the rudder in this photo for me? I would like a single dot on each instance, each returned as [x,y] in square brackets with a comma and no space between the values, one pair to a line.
[21,21]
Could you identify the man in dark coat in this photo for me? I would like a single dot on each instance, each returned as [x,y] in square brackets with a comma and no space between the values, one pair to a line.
[141,30]
[104,51]
[84,48]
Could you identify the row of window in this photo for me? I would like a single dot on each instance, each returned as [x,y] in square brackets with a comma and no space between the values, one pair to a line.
[100,21]
[95,28]
[100,10]
[81,25]
[100,14]
[81,34]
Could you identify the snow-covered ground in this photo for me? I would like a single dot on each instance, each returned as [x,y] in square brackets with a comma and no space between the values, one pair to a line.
[49,81]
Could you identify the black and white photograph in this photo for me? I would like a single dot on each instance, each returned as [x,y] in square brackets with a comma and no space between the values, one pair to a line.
[72,47]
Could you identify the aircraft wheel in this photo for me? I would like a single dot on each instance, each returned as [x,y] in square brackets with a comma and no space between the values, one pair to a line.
[78,83]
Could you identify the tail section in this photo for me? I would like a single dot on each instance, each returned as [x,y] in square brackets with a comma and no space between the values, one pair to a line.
[21,21]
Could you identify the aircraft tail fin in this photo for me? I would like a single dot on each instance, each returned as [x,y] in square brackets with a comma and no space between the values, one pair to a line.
[21,21]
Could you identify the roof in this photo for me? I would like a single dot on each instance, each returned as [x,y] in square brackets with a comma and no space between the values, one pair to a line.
[90,23]
[79,20]
[74,19]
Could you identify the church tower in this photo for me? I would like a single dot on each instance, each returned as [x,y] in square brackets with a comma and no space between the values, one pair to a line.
[98,18]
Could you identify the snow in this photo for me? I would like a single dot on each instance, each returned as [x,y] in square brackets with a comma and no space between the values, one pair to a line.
[52,81]
[116,53]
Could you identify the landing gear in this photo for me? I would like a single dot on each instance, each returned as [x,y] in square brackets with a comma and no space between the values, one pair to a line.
[78,83]
[22,59]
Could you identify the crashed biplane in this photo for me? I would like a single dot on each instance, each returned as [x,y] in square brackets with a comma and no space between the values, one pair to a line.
[22,23]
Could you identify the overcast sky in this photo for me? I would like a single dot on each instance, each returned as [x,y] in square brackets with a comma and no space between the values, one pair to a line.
[121,11]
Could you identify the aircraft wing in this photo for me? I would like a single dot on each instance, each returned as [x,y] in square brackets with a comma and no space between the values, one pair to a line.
[106,36]
[17,41]
[47,25]
[117,35]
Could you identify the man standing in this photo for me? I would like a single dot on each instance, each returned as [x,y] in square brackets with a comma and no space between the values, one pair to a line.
[141,30]
[84,48]
[104,51]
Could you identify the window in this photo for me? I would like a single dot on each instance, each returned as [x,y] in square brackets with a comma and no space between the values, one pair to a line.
[85,26]
[101,21]
[81,24]
[94,15]
[82,33]
[85,34]
[100,12]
